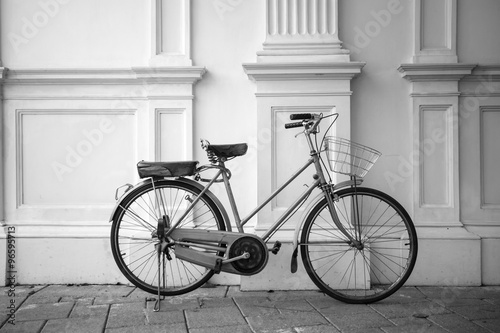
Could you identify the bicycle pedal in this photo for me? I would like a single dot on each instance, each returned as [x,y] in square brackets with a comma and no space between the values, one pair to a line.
[218,266]
[276,248]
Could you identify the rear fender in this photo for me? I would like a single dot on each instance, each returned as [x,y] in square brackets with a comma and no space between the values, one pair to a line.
[200,187]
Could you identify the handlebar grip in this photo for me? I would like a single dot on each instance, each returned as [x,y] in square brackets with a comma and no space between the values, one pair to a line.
[293,125]
[301,116]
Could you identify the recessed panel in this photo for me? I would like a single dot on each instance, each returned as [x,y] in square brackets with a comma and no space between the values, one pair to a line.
[434,23]
[490,157]
[172,26]
[435,169]
[74,157]
[171,135]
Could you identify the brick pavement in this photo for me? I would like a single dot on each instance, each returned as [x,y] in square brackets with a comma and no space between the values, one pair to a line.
[118,308]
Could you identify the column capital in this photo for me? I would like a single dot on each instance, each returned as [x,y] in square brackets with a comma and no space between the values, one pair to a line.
[302,30]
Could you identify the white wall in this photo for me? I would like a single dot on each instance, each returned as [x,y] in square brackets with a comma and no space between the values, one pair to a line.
[75,33]
[55,35]
[380,104]
[227,34]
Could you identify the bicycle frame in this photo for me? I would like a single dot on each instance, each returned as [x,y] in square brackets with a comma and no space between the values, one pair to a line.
[319,182]
[240,223]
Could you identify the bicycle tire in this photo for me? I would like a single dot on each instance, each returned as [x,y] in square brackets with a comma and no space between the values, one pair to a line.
[133,236]
[375,270]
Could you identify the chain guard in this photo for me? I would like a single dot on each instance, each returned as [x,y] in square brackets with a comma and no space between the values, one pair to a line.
[258,255]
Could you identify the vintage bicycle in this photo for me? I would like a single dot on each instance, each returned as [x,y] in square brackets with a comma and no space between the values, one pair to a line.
[170,233]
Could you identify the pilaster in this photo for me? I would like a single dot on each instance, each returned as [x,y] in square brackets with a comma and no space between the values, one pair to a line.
[435,73]
[435,34]
[170,33]
[299,28]
[302,68]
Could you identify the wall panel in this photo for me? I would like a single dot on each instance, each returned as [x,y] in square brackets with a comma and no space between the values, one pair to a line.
[435,168]
[173,136]
[490,157]
[63,156]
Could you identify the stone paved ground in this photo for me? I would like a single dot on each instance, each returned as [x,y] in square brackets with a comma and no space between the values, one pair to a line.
[118,308]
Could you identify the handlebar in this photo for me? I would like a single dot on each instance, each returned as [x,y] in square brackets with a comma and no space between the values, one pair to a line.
[303,116]
[308,119]
[293,125]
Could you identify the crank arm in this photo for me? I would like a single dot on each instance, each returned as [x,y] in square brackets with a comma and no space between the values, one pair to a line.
[245,255]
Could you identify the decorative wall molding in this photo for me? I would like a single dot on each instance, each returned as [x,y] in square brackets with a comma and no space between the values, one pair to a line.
[179,134]
[88,143]
[170,33]
[435,72]
[303,71]
[136,75]
[435,31]
[489,156]
[485,73]
[297,28]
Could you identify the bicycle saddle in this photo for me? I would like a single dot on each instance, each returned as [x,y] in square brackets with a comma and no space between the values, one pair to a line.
[166,169]
[227,151]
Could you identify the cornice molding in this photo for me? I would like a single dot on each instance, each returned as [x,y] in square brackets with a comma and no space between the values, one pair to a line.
[481,73]
[303,71]
[435,72]
[136,75]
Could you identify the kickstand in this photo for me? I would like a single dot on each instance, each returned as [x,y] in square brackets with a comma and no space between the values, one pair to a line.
[160,264]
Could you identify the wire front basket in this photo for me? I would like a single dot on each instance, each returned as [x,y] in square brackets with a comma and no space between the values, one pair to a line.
[349,158]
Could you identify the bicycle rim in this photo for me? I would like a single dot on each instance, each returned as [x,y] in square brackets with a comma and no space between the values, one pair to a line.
[134,236]
[379,265]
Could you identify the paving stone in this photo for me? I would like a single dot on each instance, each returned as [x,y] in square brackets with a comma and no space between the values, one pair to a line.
[89,310]
[494,301]
[411,321]
[215,302]
[175,304]
[23,326]
[17,295]
[346,322]
[82,300]
[204,292]
[214,317]
[461,292]
[460,302]
[75,325]
[331,306]
[285,321]
[235,291]
[42,299]
[294,305]
[491,324]
[127,314]
[456,323]
[167,318]
[255,306]
[486,311]
[225,329]
[409,309]
[84,291]
[316,329]
[43,311]
[174,328]
[427,328]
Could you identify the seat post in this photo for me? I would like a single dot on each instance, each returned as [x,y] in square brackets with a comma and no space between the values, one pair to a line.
[230,196]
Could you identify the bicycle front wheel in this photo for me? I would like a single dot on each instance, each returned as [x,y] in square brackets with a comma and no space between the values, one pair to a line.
[379,261]
[134,236]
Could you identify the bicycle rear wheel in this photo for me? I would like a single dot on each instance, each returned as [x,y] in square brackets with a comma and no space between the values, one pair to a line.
[134,236]
[371,270]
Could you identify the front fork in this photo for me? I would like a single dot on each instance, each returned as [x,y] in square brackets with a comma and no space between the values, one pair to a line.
[353,241]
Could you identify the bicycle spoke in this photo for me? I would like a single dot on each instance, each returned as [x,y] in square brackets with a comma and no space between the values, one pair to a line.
[134,236]
[366,271]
